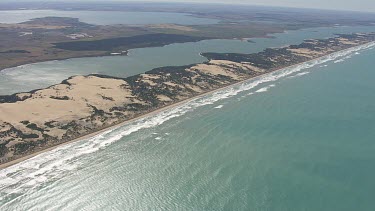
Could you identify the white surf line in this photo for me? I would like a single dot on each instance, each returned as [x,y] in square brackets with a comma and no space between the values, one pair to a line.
[300,74]
[264,89]
[259,82]
[58,159]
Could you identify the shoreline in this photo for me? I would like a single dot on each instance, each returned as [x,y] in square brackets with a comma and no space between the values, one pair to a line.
[108,54]
[105,54]
[161,109]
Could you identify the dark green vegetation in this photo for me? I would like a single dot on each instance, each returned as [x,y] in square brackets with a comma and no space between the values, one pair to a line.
[55,38]
[14,51]
[22,147]
[158,88]
[72,23]
[51,38]
[126,43]
[274,58]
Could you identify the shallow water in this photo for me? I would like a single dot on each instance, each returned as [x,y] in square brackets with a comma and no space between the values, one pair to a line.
[298,139]
[106,17]
[44,74]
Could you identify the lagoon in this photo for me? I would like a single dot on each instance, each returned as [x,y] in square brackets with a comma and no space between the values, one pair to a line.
[303,139]
[44,74]
[106,17]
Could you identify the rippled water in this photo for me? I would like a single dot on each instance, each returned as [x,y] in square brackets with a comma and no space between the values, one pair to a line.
[298,139]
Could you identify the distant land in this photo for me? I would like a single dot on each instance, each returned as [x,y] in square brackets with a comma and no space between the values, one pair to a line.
[57,38]
[83,105]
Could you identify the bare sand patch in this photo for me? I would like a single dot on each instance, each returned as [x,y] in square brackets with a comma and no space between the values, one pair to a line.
[230,64]
[164,98]
[172,26]
[64,102]
[214,70]
[306,52]
[346,41]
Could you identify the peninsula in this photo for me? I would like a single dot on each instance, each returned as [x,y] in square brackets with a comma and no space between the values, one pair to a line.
[82,105]
[66,35]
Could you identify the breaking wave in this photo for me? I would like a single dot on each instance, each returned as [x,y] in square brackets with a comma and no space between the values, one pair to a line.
[338,61]
[52,165]
[264,89]
[300,74]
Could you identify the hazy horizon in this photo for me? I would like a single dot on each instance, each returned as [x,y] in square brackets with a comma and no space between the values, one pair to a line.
[347,5]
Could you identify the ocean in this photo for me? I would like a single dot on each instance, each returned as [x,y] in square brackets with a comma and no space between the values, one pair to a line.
[298,139]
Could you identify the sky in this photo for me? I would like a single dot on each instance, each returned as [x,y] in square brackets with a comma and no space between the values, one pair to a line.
[354,5]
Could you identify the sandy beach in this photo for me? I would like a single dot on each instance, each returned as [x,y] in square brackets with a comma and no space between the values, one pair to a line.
[161,109]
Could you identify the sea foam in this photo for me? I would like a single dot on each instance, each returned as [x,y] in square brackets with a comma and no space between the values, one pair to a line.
[300,74]
[339,60]
[52,165]
[264,89]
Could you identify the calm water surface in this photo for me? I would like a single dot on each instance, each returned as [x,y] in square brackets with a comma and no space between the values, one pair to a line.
[300,139]
[105,17]
[44,74]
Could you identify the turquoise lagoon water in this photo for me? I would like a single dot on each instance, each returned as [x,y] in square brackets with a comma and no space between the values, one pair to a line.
[105,17]
[44,74]
[298,139]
